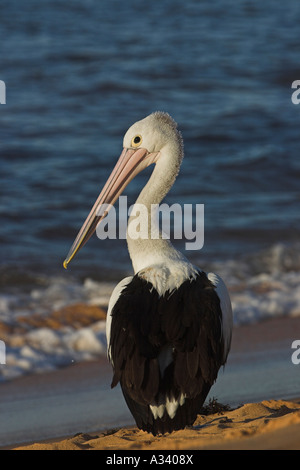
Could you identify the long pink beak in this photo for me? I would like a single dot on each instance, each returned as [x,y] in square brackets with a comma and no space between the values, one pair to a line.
[130,163]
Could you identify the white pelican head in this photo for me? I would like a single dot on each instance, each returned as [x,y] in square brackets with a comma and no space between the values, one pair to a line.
[153,140]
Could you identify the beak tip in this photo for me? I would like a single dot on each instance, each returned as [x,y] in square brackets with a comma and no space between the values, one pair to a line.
[65,264]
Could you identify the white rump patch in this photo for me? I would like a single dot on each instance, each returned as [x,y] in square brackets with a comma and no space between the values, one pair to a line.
[170,406]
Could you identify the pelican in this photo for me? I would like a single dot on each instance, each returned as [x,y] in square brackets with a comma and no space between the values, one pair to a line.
[169,325]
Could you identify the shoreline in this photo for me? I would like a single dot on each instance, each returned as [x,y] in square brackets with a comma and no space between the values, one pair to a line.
[267,425]
[73,405]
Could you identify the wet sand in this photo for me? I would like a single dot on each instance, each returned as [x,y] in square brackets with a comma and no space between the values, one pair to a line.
[268,425]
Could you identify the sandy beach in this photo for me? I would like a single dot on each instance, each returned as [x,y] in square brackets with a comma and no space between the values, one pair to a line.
[268,425]
[268,417]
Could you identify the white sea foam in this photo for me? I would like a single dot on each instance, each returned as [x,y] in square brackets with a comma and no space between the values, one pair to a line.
[44,349]
[264,285]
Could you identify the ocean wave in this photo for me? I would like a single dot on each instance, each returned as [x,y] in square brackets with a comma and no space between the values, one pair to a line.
[264,284]
[56,322]
[44,349]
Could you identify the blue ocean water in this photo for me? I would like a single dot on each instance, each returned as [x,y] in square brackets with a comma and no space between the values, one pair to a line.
[77,75]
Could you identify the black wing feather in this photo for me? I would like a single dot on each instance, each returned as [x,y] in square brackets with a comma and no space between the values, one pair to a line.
[188,320]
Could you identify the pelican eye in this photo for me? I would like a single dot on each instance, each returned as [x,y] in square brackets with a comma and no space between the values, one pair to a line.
[136,141]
